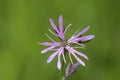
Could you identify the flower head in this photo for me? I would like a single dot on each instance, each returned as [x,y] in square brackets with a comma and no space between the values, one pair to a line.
[66,44]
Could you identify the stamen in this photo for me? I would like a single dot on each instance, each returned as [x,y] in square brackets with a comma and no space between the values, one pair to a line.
[64,57]
[54,49]
[70,58]
[75,33]
[49,37]
[67,28]
[79,47]
[64,43]
[80,44]
[52,32]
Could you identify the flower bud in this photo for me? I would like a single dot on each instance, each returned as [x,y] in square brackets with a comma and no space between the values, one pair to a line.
[71,69]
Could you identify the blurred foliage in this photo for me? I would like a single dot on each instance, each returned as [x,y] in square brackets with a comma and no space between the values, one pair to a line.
[24,22]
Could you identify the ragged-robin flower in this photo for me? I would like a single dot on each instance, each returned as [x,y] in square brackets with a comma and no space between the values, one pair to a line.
[65,46]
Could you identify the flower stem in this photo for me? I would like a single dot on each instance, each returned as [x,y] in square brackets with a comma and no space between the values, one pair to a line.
[61,76]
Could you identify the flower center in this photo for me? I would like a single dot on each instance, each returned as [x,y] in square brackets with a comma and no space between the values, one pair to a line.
[64,43]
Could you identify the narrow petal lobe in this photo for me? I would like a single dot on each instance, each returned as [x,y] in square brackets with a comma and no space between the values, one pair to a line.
[53,25]
[48,49]
[52,57]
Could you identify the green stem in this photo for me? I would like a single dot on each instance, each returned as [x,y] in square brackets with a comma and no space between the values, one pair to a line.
[61,71]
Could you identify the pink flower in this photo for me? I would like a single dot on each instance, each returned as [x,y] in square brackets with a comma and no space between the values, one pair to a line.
[65,45]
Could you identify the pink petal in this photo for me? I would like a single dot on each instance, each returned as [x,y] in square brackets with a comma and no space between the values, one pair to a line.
[50,44]
[78,59]
[79,34]
[79,53]
[83,31]
[59,62]
[61,23]
[53,25]
[61,35]
[72,52]
[87,38]
[52,57]
[59,54]
[47,49]
[82,39]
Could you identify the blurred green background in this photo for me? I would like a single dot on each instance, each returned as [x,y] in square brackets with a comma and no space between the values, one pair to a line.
[24,22]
